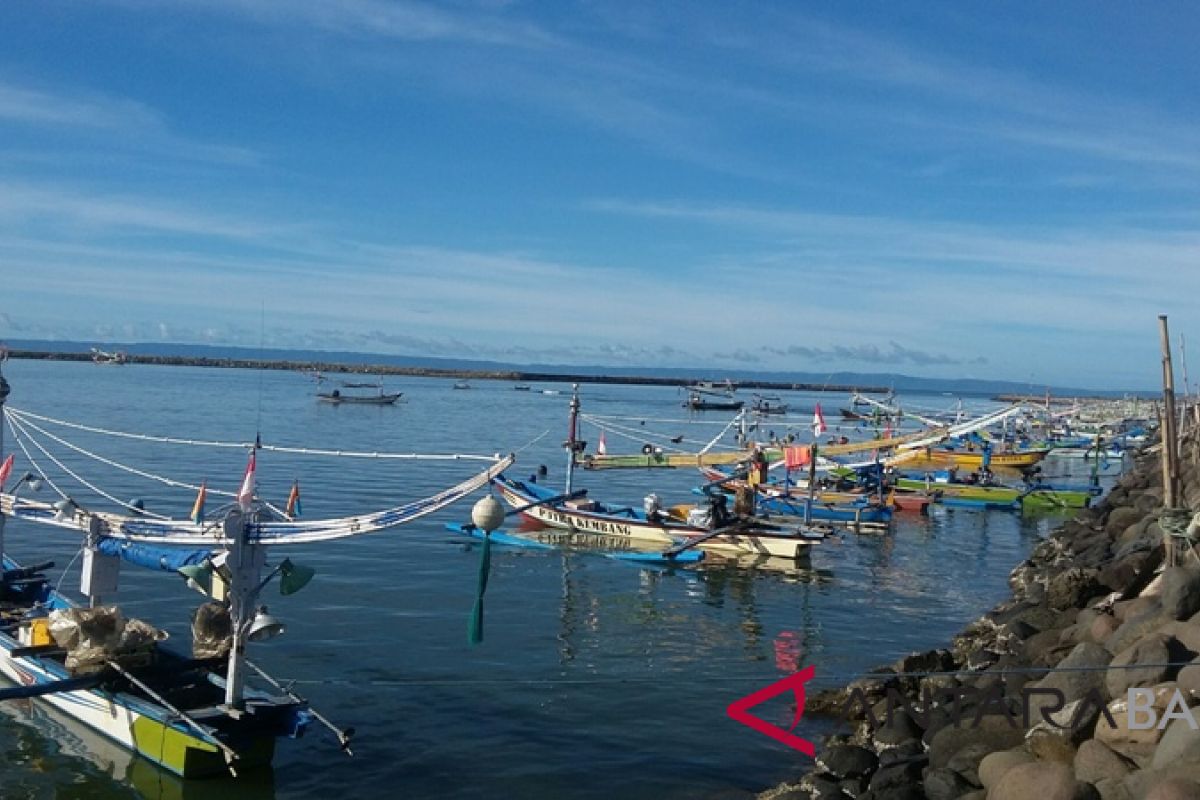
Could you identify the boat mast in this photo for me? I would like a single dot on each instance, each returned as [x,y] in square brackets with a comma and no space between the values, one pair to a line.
[4,390]
[245,562]
[571,436]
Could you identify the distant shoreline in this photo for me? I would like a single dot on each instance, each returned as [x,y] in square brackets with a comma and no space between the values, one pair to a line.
[518,376]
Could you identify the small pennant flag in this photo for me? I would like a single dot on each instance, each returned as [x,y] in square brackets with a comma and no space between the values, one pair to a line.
[601,447]
[293,501]
[245,495]
[198,506]
[818,421]
[6,469]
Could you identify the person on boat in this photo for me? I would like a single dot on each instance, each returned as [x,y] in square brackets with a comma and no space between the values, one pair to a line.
[743,502]
[758,467]
[718,516]
[1031,476]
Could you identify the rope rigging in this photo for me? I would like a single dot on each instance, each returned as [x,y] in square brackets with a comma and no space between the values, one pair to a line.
[143,525]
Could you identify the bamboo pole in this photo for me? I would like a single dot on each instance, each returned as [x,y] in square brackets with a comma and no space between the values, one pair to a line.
[1170,441]
[1170,465]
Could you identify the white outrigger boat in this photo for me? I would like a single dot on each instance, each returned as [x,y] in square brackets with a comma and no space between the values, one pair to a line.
[671,529]
[194,716]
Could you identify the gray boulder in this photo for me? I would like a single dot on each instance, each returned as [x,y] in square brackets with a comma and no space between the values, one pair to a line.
[945,784]
[1141,664]
[1180,743]
[847,761]
[1081,672]
[1095,761]
[1044,781]
[1180,592]
[993,766]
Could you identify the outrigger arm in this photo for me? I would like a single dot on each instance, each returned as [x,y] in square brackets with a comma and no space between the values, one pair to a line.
[343,734]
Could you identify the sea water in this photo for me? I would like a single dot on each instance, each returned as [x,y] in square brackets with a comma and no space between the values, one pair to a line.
[595,679]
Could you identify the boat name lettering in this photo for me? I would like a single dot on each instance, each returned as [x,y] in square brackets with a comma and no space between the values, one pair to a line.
[585,523]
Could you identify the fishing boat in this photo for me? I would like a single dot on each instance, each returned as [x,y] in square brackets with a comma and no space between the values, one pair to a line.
[978,458]
[858,511]
[522,387]
[620,548]
[338,397]
[607,524]
[795,492]
[214,712]
[700,402]
[462,385]
[706,396]
[768,405]
[994,495]
[675,529]
[113,359]
[148,699]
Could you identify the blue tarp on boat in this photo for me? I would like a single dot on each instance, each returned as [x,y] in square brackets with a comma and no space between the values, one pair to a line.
[168,559]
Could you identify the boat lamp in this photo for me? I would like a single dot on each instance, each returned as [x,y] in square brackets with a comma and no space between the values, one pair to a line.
[198,577]
[293,577]
[264,626]
[64,510]
[30,479]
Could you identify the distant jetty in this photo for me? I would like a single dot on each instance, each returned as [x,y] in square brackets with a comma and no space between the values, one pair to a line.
[427,372]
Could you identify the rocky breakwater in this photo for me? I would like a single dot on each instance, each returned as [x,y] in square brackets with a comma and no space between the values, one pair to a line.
[1086,684]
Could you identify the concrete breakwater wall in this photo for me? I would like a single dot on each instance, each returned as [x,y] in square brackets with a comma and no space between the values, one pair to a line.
[1085,684]
[332,368]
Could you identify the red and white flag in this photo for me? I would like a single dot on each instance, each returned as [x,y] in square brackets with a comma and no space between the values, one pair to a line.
[6,469]
[818,421]
[601,447]
[245,495]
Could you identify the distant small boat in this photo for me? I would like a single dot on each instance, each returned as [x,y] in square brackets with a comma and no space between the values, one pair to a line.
[461,385]
[699,402]
[521,387]
[336,397]
[768,405]
[551,391]
[102,357]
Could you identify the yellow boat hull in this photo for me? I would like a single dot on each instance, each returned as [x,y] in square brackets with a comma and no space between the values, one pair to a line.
[973,459]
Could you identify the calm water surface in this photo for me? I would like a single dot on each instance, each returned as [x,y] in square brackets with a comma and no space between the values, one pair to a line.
[596,678]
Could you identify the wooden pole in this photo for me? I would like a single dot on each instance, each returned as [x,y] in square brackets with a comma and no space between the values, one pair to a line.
[572,428]
[1170,443]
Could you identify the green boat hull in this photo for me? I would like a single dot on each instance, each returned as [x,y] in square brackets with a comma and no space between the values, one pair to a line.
[1002,495]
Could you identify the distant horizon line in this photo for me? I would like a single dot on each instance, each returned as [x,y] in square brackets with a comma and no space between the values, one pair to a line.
[487,369]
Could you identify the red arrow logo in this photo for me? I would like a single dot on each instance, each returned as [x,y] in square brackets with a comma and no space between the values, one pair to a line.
[739,710]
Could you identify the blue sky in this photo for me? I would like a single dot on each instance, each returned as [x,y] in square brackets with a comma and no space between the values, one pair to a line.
[991,190]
